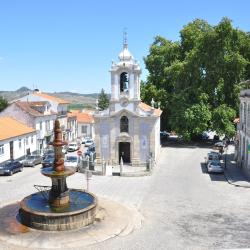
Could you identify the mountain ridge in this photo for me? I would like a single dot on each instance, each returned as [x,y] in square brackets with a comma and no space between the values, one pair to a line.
[73,98]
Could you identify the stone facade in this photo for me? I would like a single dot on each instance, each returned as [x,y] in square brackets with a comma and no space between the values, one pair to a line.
[243,132]
[128,129]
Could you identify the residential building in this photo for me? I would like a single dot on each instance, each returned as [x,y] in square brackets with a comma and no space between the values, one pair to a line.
[85,124]
[243,133]
[16,139]
[71,131]
[128,129]
[58,105]
[37,115]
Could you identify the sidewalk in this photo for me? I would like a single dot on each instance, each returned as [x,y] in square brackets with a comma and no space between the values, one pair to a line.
[128,171]
[232,172]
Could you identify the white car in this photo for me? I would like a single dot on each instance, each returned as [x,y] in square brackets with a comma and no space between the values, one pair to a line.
[85,139]
[72,147]
[214,166]
[71,161]
[213,156]
[89,143]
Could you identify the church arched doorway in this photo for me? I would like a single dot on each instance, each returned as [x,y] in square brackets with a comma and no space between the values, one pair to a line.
[124,152]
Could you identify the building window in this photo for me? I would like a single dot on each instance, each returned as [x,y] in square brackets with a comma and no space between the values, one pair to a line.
[124,124]
[27,141]
[123,82]
[20,143]
[84,129]
[41,125]
[1,149]
[32,140]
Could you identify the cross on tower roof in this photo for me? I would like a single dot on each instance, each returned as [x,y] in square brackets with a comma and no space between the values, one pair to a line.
[125,38]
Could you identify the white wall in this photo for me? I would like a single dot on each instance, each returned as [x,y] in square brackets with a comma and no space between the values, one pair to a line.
[157,138]
[18,152]
[6,155]
[90,130]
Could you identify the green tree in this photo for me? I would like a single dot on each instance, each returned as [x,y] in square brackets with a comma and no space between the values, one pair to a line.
[200,74]
[103,100]
[3,103]
[223,120]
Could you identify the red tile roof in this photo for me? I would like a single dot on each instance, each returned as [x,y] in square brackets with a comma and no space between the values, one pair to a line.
[84,117]
[25,106]
[147,108]
[52,98]
[10,128]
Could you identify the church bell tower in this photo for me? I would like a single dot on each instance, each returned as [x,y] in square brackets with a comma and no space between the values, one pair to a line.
[125,80]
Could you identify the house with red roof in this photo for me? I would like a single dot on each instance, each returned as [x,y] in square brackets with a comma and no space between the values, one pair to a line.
[85,123]
[37,115]
[57,105]
[16,139]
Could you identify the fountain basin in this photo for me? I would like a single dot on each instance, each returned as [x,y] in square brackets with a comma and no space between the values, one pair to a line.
[36,212]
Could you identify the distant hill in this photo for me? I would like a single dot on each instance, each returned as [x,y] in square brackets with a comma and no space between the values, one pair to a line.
[88,100]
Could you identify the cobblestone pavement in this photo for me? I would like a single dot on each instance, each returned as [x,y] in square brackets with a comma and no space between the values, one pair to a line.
[183,206]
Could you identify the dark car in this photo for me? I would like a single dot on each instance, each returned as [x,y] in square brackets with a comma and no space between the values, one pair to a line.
[48,152]
[32,160]
[164,134]
[11,167]
[48,161]
[91,149]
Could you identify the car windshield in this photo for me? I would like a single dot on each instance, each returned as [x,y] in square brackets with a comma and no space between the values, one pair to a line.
[7,164]
[72,145]
[71,158]
[215,163]
[30,157]
[49,156]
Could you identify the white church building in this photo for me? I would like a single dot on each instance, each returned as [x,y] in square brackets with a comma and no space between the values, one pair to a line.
[129,128]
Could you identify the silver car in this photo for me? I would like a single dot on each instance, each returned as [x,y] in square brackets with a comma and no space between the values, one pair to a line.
[32,160]
[214,166]
[72,161]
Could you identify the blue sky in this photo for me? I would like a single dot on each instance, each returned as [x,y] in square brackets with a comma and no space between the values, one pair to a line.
[60,45]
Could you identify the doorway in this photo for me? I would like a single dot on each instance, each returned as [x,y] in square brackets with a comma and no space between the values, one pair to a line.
[124,152]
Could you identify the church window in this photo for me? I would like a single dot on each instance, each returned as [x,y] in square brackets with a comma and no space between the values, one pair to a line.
[124,124]
[123,82]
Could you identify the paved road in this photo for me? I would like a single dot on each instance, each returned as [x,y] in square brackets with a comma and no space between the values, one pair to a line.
[183,207]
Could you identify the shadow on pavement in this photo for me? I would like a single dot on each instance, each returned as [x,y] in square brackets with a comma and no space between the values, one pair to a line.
[234,173]
[181,144]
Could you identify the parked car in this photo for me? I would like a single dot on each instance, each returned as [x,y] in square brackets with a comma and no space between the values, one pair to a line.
[72,147]
[205,135]
[164,134]
[48,161]
[89,142]
[48,152]
[214,166]
[91,149]
[71,161]
[85,139]
[32,160]
[211,156]
[65,149]
[220,145]
[10,167]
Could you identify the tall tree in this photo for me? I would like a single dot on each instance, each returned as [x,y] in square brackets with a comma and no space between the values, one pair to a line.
[103,100]
[200,75]
[3,103]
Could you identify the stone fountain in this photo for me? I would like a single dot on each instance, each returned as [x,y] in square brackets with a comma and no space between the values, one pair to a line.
[58,208]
